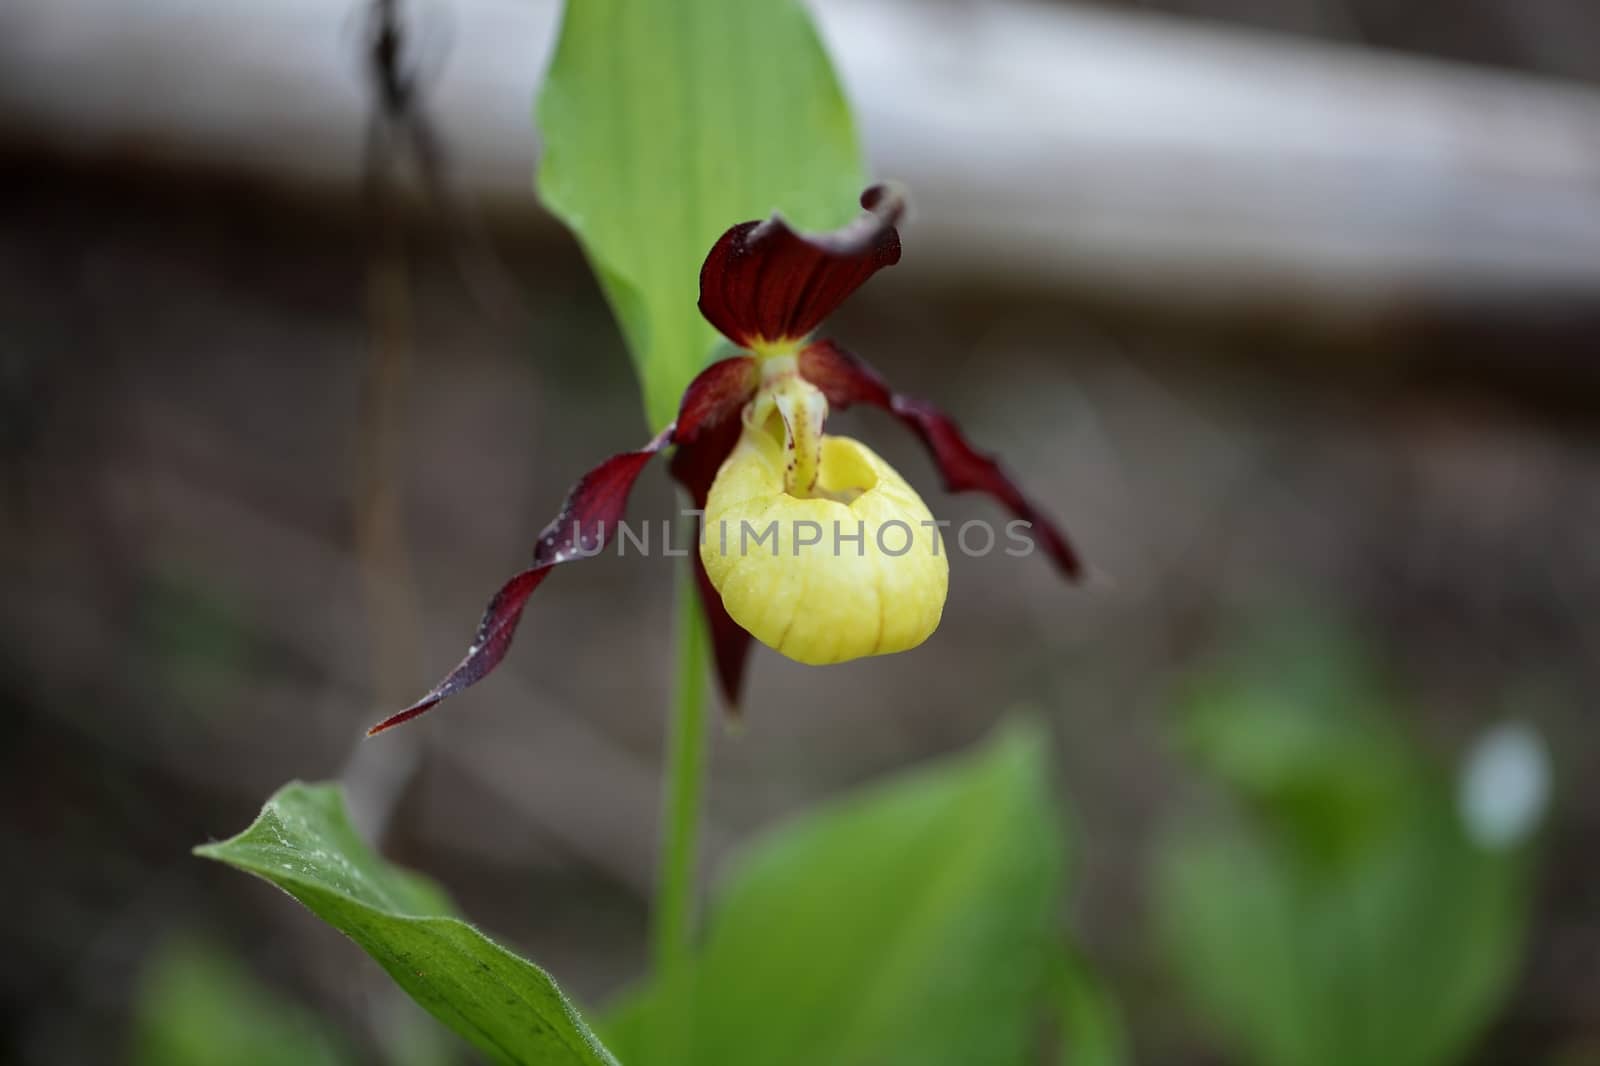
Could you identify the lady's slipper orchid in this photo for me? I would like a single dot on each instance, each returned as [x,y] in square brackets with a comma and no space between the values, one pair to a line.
[869,575]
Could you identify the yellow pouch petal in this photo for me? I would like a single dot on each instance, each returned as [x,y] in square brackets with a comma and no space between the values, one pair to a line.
[856,569]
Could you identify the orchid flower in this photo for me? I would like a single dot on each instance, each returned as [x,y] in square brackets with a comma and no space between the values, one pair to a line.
[750,448]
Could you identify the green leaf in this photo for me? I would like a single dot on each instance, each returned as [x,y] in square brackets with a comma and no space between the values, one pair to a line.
[504,1005]
[198,1007]
[1344,914]
[1092,1032]
[667,121]
[1399,960]
[912,923]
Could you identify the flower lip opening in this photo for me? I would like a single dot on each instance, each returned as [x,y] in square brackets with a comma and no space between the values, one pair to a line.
[844,475]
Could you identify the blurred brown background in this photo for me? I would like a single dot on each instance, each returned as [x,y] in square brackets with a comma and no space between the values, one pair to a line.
[1279,330]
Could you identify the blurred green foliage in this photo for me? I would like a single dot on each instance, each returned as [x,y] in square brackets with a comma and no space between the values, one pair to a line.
[1090,1022]
[198,1008]
[911,923]
[1338,910]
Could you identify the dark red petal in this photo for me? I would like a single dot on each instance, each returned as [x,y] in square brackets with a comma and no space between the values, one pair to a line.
[695,466]
[587,522]
[730,642]
[594,507]
[495,631]
[763,282]
[719,392]
[846,380]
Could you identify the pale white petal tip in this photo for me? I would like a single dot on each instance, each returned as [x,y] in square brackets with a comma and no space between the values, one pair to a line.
[1504,785]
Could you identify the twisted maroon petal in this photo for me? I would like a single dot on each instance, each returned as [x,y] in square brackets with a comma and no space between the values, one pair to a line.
[587,522]
[846,380]
[489,646]
[730,641]
[708,427]
[695,467]
[763,282]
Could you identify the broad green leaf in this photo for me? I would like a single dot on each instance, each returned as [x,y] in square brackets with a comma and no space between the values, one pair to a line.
[1296,730]
[1398,960]
[506,1006]
[912,923]
[1092,1032]
[198,1007]
[665,122]
[1345,915]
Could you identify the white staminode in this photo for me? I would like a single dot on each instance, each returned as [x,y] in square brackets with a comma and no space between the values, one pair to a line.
[1504,785]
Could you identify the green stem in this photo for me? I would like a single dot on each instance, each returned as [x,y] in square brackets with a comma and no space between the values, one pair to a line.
[684,784]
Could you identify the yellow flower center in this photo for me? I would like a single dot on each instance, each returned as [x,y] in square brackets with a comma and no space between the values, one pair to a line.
[816,545]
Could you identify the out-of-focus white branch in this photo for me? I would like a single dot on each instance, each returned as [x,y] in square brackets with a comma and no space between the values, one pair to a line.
[1049,144]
